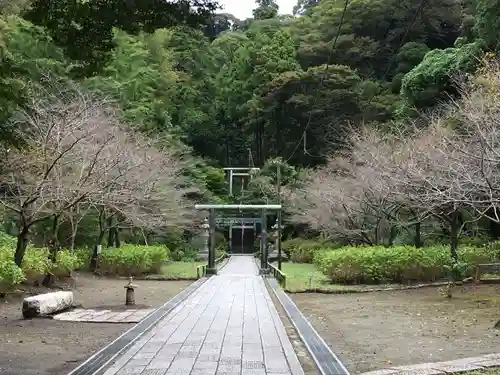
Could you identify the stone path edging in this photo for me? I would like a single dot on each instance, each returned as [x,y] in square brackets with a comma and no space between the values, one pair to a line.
[437,368]
[368,290]
[326,361]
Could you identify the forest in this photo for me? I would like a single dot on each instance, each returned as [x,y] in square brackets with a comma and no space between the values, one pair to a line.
[116,117]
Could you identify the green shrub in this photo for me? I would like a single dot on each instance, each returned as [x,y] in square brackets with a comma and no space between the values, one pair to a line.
[66,262]
[369,265]
[220,239]
[133,260]
[7,241]
[36,263]
[10,274]
[489,253]
[84,256]
[188,252]
[301,250]
[185,253]
[174,239]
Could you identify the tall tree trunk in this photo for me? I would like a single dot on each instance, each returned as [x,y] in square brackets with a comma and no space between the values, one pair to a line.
[418,236]
[21,245]
[54,241]
[392,235]
[111,232]
[102,232]
[53,246]
[95,251]
[494,227]
[118,242]
[111,237]
[74,231]
[377,232]
[75,223]
[454,232]
[144,237]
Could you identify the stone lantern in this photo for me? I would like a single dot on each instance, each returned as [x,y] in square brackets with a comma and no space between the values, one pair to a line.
[205,235]
[274,252]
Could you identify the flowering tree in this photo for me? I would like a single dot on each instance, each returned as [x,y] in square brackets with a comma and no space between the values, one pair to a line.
[345,201]
[77,156]
[149,195]
[61,162]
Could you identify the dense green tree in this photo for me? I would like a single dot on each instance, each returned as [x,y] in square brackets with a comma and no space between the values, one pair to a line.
[304,6]
[29,59]
[243,91]
[433,79]
[139,81]
[266,9]
[316,105]
[85,28]
[373,30]
[487,22]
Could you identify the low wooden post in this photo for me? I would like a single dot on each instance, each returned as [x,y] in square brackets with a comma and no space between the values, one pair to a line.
[477,277]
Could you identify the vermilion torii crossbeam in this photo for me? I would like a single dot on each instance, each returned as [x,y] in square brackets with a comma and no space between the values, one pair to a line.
[264,269]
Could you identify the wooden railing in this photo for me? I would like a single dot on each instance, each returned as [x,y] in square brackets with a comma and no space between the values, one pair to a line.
[221,258]
[201,271]
[280,276]
[486,268]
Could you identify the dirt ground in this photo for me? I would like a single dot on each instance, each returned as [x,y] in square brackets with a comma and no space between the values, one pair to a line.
[44,346]
[370,331]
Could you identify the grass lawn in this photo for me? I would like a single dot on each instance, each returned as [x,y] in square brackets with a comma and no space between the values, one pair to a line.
[181,270]
[302,276]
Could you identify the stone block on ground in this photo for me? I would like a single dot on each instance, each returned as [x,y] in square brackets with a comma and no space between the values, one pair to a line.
[47,304]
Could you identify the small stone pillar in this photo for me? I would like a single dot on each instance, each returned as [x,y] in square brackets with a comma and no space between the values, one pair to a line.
[205,234]
[130,293]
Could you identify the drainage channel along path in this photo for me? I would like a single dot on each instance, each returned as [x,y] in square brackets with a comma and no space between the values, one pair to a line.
[227,326]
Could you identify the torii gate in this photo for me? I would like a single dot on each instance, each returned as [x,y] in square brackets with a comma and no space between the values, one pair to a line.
[264,269]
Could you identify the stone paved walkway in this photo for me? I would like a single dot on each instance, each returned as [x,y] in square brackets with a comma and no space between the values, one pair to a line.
[228,326]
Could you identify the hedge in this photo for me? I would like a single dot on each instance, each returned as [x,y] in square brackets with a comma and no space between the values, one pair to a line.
[301,250]
[35,266]
[10,274]
[133,260]
[376,264]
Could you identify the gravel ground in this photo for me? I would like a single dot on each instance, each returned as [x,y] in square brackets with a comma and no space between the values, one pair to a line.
[370,331]
[48,347]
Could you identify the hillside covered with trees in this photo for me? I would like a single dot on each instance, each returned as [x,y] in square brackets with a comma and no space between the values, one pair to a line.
[119,115]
